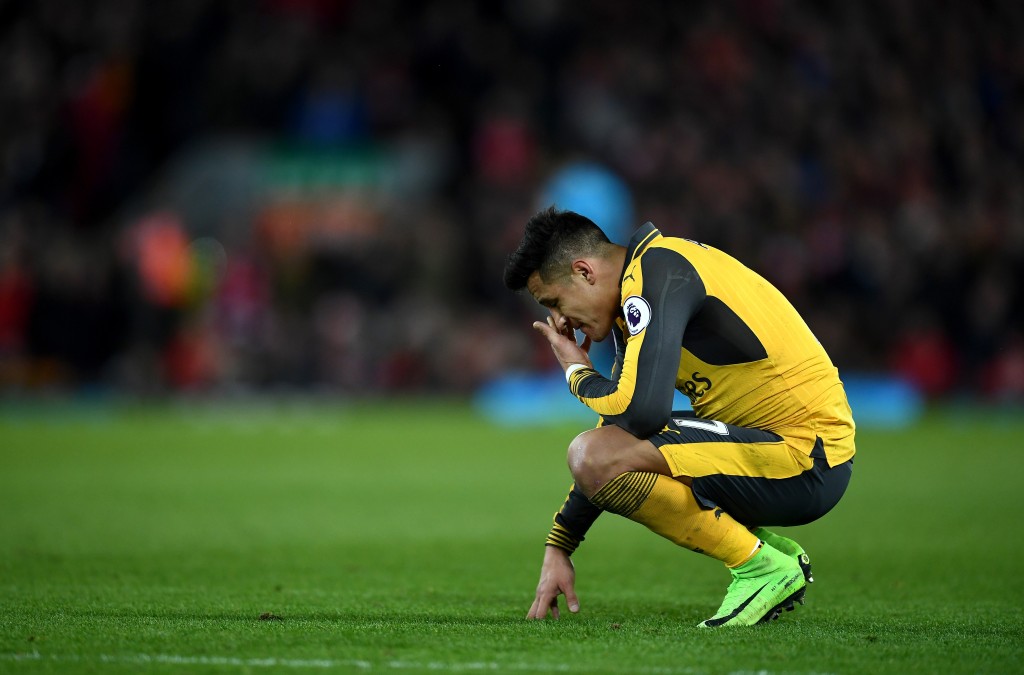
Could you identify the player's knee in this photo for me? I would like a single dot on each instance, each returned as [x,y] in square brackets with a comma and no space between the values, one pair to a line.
[590,461]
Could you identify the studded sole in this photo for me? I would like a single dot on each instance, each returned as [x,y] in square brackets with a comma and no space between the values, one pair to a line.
[789,604]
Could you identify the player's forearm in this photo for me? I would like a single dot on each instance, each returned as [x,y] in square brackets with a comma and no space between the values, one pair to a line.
[641,413]
[572,522]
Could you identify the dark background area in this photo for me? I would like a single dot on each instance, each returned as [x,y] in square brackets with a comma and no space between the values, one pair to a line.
[225,196]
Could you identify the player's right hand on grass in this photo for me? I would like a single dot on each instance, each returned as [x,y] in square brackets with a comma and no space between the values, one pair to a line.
[557,577]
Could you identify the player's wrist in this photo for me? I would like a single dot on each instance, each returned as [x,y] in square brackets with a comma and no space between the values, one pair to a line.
[572,368]
[562,539]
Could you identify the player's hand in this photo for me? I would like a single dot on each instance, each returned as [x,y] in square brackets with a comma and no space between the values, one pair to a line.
[557,577]
[562,339]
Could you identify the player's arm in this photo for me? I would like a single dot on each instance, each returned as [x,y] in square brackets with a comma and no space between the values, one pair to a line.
[557,576]
[577,514]
[620,356]
[572,521]
[640,399]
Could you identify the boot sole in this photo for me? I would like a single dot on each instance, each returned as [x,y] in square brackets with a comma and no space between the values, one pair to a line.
[789,604]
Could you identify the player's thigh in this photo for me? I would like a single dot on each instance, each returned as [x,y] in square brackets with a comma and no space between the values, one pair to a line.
[758,477]
[697,447]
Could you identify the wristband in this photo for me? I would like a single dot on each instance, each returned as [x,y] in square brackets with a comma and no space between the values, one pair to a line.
[572,369]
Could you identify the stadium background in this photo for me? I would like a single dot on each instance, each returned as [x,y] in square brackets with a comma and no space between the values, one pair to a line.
[315,196]
[251,310]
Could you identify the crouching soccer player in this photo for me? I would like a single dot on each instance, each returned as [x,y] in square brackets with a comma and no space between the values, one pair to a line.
[770,439]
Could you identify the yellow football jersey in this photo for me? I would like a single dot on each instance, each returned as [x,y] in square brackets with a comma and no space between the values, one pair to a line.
[697,320]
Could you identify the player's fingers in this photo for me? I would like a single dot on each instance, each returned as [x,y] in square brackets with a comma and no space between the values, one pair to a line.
[546,330]
[586,343]
[541,604]
[554,608]
[562,327]
[571,600]
[552,332]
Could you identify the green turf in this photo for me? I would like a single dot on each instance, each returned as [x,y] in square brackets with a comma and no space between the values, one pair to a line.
[407,538]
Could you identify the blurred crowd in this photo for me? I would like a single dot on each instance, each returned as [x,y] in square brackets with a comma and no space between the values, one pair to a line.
[237,195]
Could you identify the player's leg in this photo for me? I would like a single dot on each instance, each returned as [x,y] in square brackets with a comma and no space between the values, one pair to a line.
[788,546]
[757,489]
[759,482]
[756,476]
[628,476]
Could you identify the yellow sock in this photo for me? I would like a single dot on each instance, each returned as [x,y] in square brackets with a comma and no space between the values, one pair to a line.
[667,507]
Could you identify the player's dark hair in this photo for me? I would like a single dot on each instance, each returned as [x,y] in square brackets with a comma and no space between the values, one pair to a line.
[553,239]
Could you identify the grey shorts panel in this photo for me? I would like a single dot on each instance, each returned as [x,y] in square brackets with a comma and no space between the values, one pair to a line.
[755,501]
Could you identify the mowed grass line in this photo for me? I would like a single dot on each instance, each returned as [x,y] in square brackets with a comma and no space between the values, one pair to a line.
[406,537]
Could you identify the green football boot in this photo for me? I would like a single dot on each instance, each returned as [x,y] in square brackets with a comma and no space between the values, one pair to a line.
[787,546]
[761,588]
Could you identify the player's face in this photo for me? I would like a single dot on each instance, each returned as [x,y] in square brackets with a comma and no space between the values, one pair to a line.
[577,302]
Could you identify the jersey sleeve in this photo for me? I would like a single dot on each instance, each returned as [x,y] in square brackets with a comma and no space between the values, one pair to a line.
[572,521]
[639,397]
[620,356]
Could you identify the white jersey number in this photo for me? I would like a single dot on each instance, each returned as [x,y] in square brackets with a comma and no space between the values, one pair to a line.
[713,426]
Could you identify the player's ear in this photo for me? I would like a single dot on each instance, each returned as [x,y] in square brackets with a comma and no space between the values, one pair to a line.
[584,269]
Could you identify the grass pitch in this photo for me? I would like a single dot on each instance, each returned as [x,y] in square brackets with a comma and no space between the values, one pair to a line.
[406,538]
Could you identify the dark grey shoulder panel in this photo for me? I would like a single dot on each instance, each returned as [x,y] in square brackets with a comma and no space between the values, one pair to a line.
[716,335]
[675,277]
